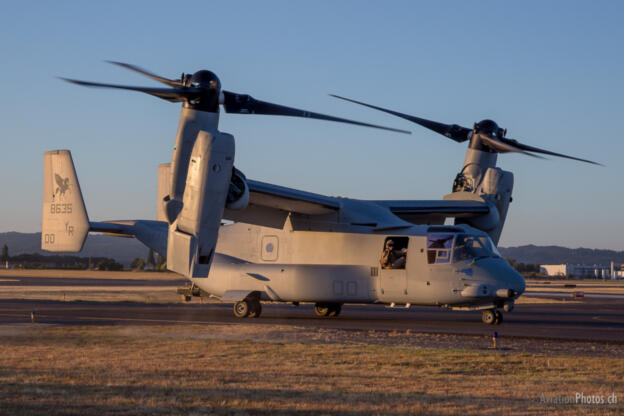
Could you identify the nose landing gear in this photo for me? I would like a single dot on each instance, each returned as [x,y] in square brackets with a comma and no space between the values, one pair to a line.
[492,317]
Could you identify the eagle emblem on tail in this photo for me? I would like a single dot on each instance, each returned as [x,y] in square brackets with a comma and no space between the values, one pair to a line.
[63,185]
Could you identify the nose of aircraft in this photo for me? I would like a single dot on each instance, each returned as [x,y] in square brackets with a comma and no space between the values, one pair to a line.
[499,273]
[517,282]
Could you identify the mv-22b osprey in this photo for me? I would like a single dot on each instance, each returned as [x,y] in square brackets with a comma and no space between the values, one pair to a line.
[286,245]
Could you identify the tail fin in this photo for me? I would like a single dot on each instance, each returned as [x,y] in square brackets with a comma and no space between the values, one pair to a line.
[64,221]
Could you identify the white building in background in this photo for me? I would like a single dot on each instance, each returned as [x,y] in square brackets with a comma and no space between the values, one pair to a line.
[582,270]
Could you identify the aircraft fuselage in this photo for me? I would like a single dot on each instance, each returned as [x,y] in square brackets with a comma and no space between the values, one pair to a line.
[309,266]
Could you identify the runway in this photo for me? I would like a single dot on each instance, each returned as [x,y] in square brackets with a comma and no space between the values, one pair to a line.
[593,319]
[590,320]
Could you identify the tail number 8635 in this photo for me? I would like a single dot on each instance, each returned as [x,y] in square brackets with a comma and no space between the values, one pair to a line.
[61,208]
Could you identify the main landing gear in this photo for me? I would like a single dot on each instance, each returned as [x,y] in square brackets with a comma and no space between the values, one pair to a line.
[492,317]
[327,310]
[248,309]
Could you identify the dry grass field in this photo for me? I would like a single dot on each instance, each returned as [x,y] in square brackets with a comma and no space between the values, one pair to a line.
[101,370]
[279,369]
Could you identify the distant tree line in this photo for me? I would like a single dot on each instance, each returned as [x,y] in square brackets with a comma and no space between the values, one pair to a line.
[158,264]
[55,261]
[42,261]
[5,254]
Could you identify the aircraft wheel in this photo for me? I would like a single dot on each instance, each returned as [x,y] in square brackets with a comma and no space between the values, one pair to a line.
[241,309]
[321,309]
[255,309]
[488,316]
[499,317]
[335,309]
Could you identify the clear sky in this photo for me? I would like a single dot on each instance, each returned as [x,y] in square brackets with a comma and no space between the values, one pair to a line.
[551,72]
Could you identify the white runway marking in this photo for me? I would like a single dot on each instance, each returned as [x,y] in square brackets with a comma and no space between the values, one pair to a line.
[571,295]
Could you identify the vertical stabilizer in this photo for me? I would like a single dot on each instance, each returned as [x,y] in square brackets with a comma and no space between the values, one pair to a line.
[64,224]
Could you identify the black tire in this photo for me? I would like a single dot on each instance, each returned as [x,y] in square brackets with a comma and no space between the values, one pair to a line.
[241,309]
[499,317]
[255,309]
[488,316]
[321,309]
[335,310]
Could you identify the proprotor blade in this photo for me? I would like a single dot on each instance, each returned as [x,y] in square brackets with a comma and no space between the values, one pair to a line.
[170,82]
[502,147]
[246,104]
[452,131]
[169,94]
[546,152]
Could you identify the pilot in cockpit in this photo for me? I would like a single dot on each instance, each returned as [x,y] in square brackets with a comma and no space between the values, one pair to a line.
[391,258]
[462,252]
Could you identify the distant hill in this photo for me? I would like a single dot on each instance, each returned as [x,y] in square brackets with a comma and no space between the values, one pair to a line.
[558,255]
[124,250]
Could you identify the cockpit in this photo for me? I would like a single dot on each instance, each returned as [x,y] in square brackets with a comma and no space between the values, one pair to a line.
[447,248]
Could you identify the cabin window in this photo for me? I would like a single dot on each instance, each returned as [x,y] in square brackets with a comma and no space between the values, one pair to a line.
[270,248]
[439,248]
[394,253]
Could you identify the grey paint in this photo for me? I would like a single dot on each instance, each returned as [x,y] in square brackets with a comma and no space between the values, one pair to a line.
[291,245]
[64,222]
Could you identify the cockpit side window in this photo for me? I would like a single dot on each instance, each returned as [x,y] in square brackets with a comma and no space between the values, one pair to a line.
[394,254]
[471,246]
[439,248]
[490,246]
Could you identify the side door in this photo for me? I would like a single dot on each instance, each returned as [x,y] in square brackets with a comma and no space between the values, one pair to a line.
[392,272]
[440,274]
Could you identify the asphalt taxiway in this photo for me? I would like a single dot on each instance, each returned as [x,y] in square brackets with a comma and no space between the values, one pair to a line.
[588,319]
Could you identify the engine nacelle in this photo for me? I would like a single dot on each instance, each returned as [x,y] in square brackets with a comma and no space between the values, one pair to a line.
[481,180]
[193,235]
[238,194]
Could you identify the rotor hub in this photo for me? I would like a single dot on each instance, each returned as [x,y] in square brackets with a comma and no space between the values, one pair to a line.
[206,80]
[488,127]
[210,86]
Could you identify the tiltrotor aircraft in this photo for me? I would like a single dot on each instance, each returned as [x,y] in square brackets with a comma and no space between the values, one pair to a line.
[286,245]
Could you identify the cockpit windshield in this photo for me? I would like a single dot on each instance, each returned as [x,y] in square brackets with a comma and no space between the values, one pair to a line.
[468,247]
[444,247]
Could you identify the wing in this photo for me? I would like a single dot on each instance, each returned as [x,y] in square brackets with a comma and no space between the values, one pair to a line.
[293,200]
[269,205]
[435,211]
[59,180]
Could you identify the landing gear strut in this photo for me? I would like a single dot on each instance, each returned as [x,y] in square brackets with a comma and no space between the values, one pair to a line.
[492,317]
[499,317]
[251,308]
[327,309]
